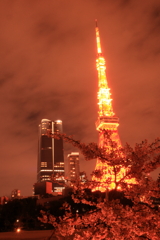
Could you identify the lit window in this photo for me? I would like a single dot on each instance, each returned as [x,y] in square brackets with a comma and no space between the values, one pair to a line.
[58,189]
[43,164]
[45,176]
[46,170]
[58,170]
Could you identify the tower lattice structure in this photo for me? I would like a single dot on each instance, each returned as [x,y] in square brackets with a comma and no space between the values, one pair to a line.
[107,120]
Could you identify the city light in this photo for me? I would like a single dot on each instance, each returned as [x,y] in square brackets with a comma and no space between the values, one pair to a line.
[106,121]
[18,230]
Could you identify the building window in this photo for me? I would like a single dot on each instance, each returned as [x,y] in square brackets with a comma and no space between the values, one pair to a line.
[43,164]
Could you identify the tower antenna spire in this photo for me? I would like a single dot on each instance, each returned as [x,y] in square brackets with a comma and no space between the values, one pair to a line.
[96,22]
[104,95]
[99,50]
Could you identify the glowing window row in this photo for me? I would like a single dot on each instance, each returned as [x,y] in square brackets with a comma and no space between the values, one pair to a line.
[46,170]
[72,163]
[46,148]
[43,164]
[44,179]
[60,164]
[58,170]
[59,178]
[58,189]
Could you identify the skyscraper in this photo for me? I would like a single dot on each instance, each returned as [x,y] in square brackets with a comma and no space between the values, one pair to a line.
[73,160]
[106,118]
[50,154]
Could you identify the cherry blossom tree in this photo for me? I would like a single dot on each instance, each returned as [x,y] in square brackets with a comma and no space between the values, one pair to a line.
[124,213]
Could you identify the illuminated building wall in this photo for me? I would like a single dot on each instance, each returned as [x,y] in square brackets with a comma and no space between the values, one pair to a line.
[107,120]
[73,160]
[41,188]
[50,154]
[15,193]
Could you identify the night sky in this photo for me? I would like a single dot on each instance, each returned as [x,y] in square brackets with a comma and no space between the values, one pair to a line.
[48,70]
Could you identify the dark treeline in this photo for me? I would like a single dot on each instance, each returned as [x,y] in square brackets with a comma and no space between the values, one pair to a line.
[24,213]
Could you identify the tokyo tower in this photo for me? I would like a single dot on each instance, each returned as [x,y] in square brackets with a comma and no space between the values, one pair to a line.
[107,120]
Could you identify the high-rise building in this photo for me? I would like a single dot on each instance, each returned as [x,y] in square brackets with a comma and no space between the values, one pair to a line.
[106,119]
[50,154]
[74,174]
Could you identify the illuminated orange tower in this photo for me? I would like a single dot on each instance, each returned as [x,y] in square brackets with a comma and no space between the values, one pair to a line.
[106,119]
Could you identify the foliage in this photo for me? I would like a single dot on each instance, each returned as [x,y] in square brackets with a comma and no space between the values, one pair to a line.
[128,213]
[19,212]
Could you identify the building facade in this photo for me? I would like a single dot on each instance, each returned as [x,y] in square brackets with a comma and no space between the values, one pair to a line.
[42,188]
[74,172]
[50,155]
